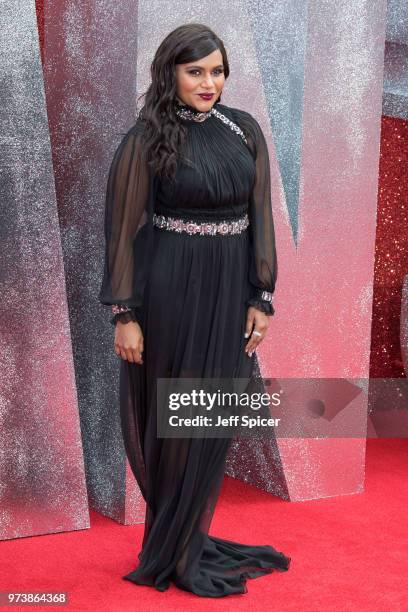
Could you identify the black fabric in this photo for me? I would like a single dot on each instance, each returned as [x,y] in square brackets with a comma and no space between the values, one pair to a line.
[262,305]
[130,201]
[125,317]
[190,300]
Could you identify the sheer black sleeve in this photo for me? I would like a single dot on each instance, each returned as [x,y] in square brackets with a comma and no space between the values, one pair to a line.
[128,226]
[263,268]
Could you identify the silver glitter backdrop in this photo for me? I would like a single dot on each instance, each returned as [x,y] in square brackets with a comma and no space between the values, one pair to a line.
[41,462]
[90,76]
[311,73]
[395,99]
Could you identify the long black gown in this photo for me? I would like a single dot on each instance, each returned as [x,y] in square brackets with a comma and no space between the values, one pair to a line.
[190,295]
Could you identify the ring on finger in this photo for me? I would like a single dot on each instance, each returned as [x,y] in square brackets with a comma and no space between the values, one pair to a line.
[256,333]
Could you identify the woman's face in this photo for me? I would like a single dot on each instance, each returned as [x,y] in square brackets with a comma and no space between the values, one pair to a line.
[204,76]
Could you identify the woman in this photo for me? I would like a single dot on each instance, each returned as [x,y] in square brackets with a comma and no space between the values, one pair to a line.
[190,269]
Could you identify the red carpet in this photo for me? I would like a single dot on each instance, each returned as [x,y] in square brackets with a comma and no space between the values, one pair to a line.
[348,553]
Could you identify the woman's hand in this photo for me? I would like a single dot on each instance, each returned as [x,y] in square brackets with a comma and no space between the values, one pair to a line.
[257,321]
[129,341]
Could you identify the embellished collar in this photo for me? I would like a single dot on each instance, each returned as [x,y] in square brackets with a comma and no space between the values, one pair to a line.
[185,111]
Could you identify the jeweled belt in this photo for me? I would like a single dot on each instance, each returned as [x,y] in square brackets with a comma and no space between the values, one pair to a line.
[226,226]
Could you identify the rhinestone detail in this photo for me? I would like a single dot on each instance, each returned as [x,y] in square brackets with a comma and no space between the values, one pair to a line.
[186,113]
[267,296]
[119,308]
[230,123]
[204,228]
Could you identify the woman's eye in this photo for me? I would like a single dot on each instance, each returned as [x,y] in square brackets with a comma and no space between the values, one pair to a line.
[217,71]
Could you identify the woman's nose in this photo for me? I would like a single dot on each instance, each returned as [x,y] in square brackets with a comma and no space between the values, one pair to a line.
[208,82]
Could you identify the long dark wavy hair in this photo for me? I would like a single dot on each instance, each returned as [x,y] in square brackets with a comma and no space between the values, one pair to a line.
[164,134]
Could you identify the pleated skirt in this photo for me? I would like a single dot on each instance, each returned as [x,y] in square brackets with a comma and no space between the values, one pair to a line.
[193,322]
